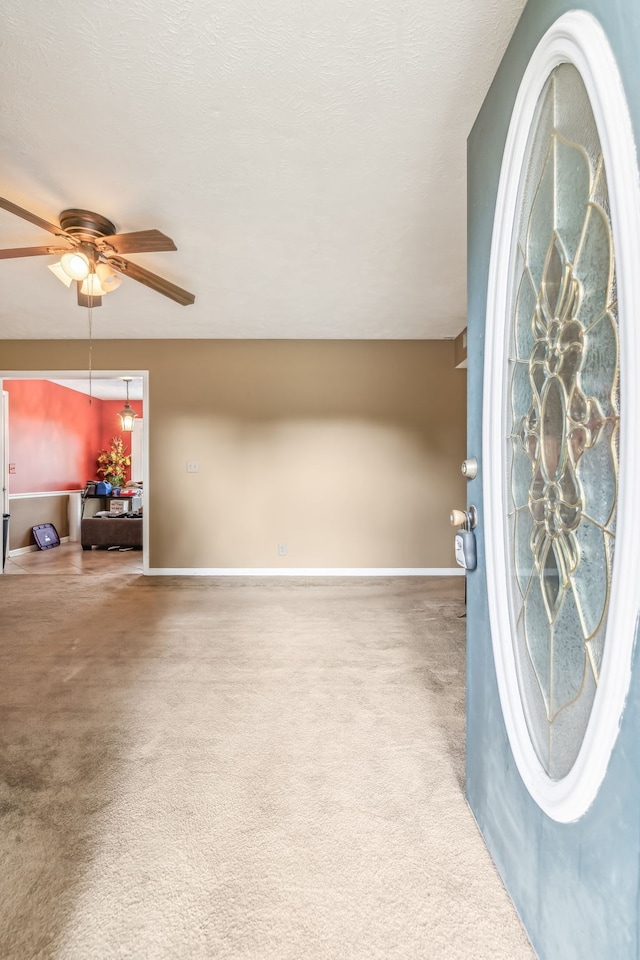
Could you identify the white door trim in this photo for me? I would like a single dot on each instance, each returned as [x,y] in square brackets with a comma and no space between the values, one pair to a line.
[4,450]
[106,375]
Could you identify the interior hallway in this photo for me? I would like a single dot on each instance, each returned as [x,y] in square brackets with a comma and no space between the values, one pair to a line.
[218,768]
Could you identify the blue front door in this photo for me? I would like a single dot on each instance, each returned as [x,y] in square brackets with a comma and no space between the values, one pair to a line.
[553,701]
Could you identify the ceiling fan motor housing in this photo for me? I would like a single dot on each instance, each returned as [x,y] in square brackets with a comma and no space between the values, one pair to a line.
[84,223]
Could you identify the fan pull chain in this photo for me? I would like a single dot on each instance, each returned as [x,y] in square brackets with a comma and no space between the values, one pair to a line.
[90,354]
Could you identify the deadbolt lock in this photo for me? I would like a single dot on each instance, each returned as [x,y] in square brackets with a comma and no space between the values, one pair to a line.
[469,468]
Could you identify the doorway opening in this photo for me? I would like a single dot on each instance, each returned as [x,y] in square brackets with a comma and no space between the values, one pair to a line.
[56,455]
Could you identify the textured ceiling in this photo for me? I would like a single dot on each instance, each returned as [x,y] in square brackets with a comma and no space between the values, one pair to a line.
[105,389]
[308,159]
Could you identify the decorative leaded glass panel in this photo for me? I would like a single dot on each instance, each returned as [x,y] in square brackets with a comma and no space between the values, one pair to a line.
[562,421]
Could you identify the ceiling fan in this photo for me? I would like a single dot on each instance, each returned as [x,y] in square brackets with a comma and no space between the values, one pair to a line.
[91,251]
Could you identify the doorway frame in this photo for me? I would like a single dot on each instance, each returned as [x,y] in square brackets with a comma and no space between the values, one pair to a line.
[85,375]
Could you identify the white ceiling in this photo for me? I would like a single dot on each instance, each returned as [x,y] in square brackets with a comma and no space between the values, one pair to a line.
[308,159]
[101,389]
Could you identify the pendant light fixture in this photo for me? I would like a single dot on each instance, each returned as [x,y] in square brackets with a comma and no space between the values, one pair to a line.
[127,415]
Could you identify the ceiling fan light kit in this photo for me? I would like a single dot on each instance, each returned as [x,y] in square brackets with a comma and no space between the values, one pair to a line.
[56,268]
[92,254]
[76,264]
[109,279]
[91,286]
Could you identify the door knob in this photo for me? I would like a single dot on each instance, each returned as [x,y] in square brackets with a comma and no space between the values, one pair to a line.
[464,518]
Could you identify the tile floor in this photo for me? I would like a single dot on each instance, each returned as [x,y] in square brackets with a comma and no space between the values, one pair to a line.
[70,558]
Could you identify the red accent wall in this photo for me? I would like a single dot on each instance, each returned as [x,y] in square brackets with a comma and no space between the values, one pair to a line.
[55,435]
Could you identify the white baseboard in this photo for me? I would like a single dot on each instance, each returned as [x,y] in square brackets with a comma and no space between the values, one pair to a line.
[305,572]
[32,548]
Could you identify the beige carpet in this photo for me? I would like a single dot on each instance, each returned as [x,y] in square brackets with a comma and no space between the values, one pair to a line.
[197,768]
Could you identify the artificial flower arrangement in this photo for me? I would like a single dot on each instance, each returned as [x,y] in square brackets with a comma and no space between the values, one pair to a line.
[112,463]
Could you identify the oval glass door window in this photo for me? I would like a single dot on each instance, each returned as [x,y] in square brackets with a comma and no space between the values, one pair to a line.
[562,422]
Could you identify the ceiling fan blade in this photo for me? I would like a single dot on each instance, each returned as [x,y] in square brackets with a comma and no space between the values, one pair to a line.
[10,254]
[31,217]
[142,241]
[152,280]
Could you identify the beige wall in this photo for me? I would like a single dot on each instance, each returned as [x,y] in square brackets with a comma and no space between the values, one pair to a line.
[347,451]
[29,511]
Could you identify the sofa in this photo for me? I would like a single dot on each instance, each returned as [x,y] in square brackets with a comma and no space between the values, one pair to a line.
[111,532]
